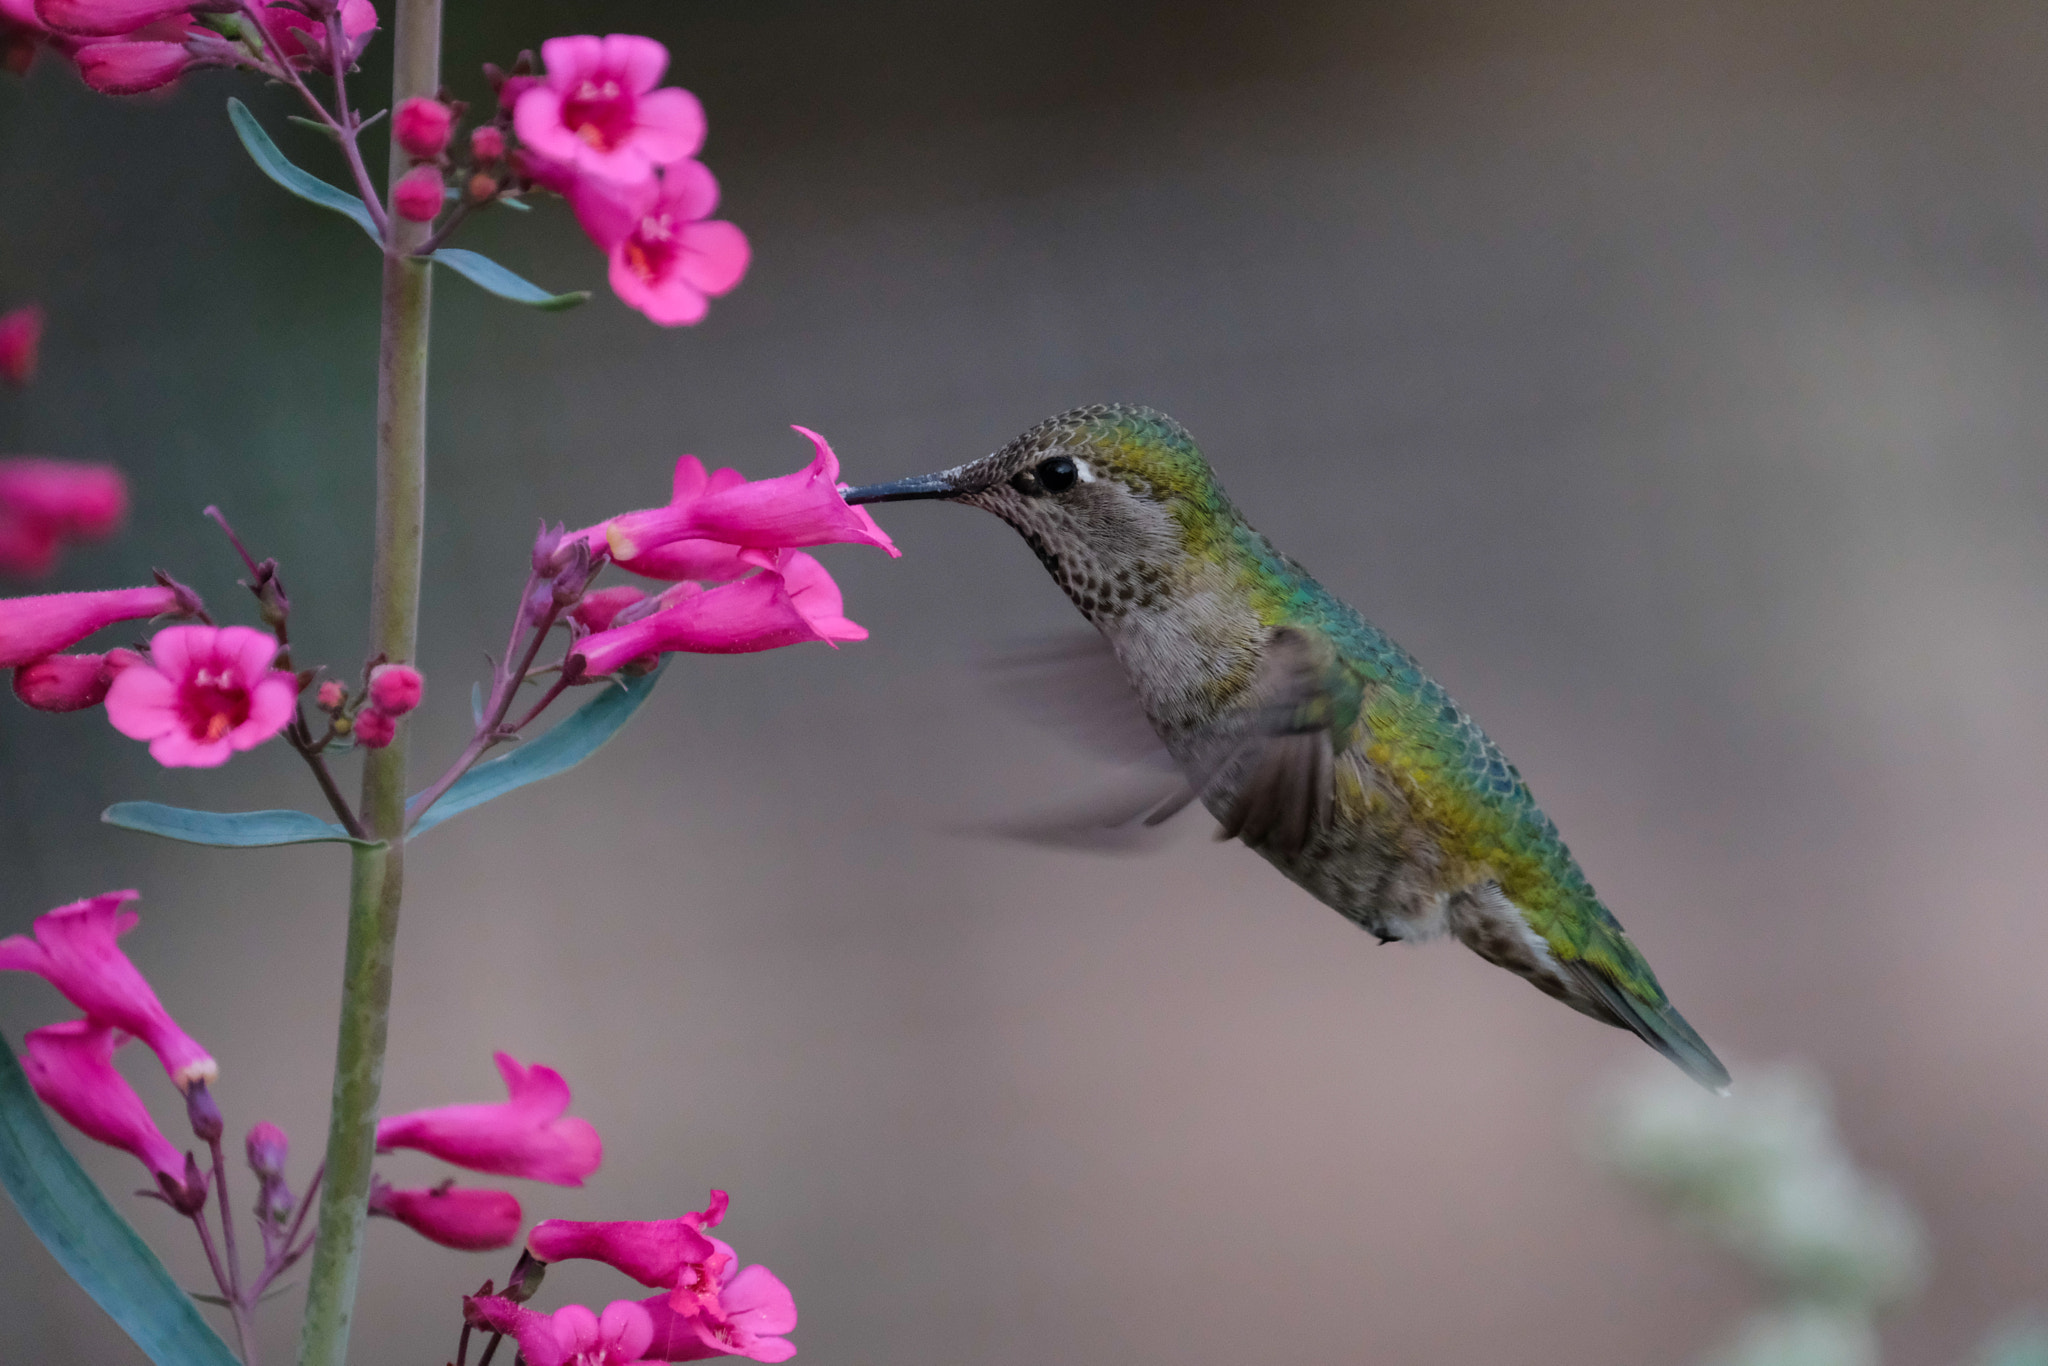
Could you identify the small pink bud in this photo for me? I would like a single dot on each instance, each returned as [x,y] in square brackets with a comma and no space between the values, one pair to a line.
[487,144]
[331,695]
[466,1218]
[269,1148]
[396,689]
[64,682]
[375,729]
[21,334]
[422,127]
[417,196]
[130,68]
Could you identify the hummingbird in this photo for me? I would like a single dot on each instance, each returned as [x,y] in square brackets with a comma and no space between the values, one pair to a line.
[1305,730]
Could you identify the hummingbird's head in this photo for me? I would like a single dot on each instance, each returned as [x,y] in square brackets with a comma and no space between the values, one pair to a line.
[1111,498]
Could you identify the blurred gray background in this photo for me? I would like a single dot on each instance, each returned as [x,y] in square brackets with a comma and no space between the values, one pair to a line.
[1669,377]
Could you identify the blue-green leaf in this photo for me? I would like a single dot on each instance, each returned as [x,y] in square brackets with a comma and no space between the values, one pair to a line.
[227,829]
[561,749]
[90,1239]
[487,274]
[305,185]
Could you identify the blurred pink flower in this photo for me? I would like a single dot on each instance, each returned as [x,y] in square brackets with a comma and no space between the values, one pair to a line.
[71,1066]
[528,1135]
[21,337]
[469,1219]
[73,949]
[573,1335]
[31,628]
[789,603]
[396,689]
[667,260]
[804,508]
[487,143]
[70,682]
[598,113]
[146,60]
[422,127]
[206,693]
[105,18]
[419,194]
[44,503]
[303,39]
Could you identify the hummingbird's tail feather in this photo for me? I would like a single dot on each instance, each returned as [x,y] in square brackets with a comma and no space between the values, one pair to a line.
[1660,1026]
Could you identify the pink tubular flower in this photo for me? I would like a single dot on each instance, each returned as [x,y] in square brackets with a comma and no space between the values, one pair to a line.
[138,64]
[422,127]
[105,18]
[528,1135]
[71,1066]
[668,258]
[21,336]
[792,602]
[396,689]
[468,1219]
[33,627]
[206,693]
[419,194]
[675,561]
[599,114]
[44,503]
[73,949]
[804,508]
[303,39]
[572,1335]
[70,682]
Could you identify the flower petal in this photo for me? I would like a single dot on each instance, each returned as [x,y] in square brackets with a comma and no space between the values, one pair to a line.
[671,125]
[142,704]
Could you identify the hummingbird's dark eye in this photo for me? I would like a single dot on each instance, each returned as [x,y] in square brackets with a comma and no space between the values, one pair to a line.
[1057,474]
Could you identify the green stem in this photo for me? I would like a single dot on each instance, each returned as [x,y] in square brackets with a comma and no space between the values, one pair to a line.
[378,876]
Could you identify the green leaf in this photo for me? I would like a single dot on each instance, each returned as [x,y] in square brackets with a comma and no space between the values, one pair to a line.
[561,749]
[306,186]
[90,1239]
[487,274]
[227,829]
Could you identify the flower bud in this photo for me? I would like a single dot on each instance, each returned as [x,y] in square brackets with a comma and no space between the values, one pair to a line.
[21,334]
[204,1112]
[269,1148]
[375,729]
[417,197]
[487,144]
[421,126]
[396,689]
[64,682]
[331,695]
[482,187]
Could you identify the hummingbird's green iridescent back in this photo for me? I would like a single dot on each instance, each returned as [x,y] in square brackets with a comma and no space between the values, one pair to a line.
[1308,732]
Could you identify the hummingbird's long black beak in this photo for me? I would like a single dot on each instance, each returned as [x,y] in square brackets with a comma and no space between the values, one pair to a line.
[919,486]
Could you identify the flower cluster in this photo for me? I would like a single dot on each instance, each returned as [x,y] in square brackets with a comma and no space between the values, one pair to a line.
[126,47]
[709,1306]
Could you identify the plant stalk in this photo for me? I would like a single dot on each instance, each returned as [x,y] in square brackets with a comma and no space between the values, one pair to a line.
[377,874]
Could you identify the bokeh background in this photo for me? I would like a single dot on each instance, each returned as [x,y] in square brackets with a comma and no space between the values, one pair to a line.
[1670,377]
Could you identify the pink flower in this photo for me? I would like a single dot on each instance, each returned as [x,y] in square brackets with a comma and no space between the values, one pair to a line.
[21,335]
[73,949]
[599,114]
[206,693]
[132,67]
[468,1219]
[105,18]
[666,260]
[702,560]
[664,1253]
[71,1066]
[374,729]
[70,682]
[601,607]
[303,39]
[44,503]
[419,194]
[528,1135]
[33,627]
[396,689]
[422,127]
[804,508]
[792,602]
[754,1310]
[572,1335]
